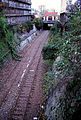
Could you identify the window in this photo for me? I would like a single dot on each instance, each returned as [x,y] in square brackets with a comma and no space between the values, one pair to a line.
[50,18]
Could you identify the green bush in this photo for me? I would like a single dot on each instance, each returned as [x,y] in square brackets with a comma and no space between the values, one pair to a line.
[7,40]
[69,47]
[28,26]
[48,82]
[56,27]
[38,23]
[25,27]
[49,52]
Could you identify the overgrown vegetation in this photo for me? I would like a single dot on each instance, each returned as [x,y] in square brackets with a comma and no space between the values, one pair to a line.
[25,27]
[49,52]
[69,47]
[38,23]
[7,42]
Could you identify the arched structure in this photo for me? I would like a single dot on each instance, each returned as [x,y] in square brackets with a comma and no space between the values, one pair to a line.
[49,19]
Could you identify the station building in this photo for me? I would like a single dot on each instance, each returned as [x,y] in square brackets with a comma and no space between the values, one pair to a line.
[49,19]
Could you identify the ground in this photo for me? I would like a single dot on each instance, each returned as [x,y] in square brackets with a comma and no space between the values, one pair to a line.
[21,83]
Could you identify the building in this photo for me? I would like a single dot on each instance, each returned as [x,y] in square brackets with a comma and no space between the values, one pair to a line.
[16,12]
[79,4]
[50,16]
[69,7]
[49,19]
[64,4]
[69,2]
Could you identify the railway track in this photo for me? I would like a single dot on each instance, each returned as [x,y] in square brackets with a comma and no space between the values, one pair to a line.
[21,84]
[10,80]
[11,66]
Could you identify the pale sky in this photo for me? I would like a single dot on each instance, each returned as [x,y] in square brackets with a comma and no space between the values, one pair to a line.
[50,4]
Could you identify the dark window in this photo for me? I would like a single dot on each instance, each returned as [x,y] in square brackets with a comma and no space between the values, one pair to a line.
[50,18]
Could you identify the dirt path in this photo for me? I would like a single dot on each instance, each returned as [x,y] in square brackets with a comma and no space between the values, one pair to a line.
[21,95]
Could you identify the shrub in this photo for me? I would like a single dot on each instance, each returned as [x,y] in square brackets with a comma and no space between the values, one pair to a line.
[69,47]
[38,23]
[7,40]
[49,52]
[48,82]
[25,27]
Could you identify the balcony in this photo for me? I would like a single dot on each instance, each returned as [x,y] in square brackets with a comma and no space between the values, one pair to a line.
[20,1]
[25,1]
[17,15]
[17,20]
[18,5]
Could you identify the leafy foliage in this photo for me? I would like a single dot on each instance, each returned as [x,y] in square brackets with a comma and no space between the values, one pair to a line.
[38,23]
[25,27]
[48,82]
[69,47]
[7,42]
[49,52]
[71,101]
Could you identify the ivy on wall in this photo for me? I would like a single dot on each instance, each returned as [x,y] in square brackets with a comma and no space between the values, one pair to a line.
[7,42]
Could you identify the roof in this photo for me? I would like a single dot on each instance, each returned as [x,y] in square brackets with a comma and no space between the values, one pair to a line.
[50,13]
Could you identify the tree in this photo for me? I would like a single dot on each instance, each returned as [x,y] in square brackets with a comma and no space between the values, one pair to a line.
[42,9]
